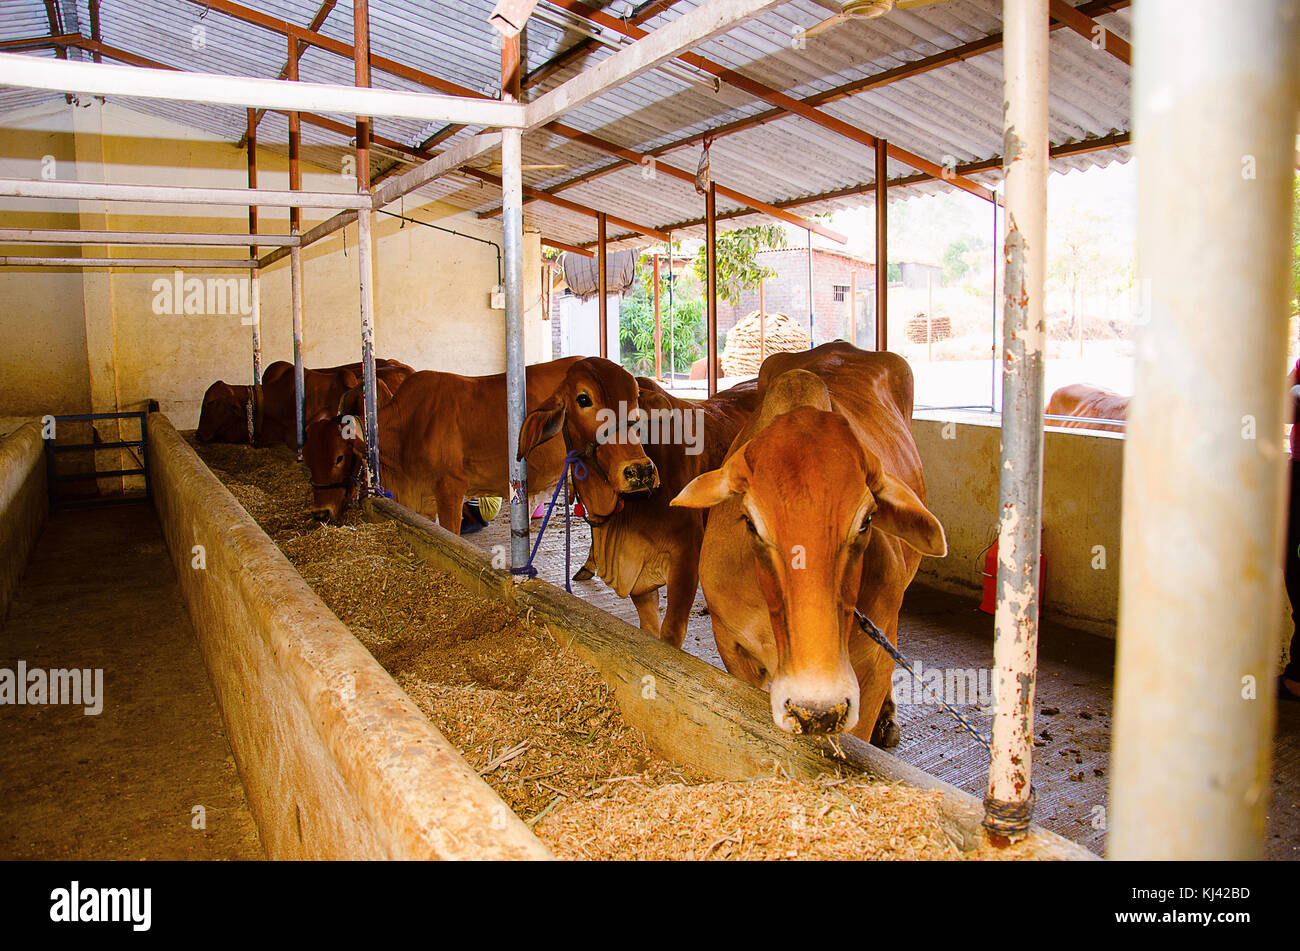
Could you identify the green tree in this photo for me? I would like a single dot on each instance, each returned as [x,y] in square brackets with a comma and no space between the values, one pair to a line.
[738,267]
[681,326]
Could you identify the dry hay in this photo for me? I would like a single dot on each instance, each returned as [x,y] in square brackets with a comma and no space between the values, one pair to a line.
[779,333]
[541,726]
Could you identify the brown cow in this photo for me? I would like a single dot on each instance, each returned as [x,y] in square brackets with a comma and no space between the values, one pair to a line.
[643,544]
[442,437]
[1090,402]
[818,510]
[227,408]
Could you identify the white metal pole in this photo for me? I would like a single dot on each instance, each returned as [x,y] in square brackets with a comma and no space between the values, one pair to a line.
[1008,803]
[1215,101]
[183,194]
[516,396]
[255,321]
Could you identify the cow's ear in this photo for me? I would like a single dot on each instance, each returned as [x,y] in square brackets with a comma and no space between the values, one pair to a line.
[708,490]
[901,514]
[540,425]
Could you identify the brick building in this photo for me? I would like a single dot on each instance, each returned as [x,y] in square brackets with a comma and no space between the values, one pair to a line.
[832,280]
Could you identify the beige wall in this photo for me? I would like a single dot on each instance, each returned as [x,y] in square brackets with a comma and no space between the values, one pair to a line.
[94,341]
[1082,478]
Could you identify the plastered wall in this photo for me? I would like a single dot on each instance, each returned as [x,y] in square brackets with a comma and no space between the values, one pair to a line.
[94,341]
[1082,478]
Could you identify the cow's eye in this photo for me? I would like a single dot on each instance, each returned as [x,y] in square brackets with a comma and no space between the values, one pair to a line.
[866,524]
[584,400]
[749,524]
[339,460]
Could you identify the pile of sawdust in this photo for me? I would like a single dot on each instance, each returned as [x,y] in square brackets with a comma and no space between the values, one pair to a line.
[541,726]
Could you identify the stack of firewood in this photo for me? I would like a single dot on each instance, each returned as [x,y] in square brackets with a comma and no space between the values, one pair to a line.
[779,333]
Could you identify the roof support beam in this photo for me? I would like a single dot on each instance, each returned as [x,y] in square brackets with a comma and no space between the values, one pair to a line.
[1118,140]
[216,89]
[1090,30]
[754,88]
[957,54]
[189,195]
[628,155]
[290,68]
[65,236]
[188,264]
[668,42]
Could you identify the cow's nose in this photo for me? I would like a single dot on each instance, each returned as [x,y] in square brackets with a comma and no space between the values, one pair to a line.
[816,718]
[640,476]
[320,515]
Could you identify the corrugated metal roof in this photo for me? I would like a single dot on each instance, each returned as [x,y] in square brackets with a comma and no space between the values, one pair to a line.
[952,113]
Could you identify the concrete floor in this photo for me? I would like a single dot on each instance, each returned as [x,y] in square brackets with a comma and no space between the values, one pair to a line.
[940,630]
[100,592]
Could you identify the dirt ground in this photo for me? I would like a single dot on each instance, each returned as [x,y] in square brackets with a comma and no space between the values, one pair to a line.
[100,592]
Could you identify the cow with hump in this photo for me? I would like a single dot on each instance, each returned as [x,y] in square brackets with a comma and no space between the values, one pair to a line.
[442,438]
[1090,404]
[229,410]
[639,544]
[818,511]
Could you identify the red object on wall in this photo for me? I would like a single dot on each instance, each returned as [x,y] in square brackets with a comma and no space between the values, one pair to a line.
[989,603]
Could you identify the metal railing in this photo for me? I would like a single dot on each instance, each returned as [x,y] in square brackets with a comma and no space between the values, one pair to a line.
[54,477]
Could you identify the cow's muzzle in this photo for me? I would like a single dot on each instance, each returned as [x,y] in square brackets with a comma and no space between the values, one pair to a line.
[817,718]
[640,477]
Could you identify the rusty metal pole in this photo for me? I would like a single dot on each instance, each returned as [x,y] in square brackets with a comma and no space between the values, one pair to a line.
[811,342]
[1009,802]
[762,322]
[659,351]
[365,247]
[295,255]
[255,316]
[853,308]
[1215,99]
[711,286]
[602,283]
[882,244]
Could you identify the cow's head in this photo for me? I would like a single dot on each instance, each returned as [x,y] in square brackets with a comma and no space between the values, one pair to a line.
[223,417]
[593,406]
[334,450]
[811,498]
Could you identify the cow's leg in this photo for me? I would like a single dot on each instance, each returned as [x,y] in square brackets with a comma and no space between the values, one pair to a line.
[647,610]
[450,495]
[886,733]
[683,581]
[588,569]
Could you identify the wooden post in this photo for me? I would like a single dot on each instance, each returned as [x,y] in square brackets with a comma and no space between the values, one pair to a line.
[602,289]
[762,323]
[659,352]
[882,244]
[711,287]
